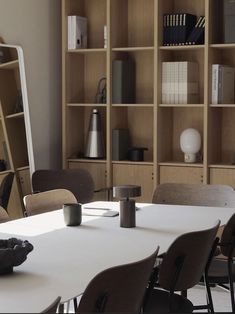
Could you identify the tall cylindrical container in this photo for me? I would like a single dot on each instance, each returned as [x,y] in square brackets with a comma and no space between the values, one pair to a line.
[95,144]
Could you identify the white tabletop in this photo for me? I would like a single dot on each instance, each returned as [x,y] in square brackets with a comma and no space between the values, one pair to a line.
[65,259]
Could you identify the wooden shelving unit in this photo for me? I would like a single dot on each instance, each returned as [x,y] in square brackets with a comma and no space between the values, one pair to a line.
[13,138]
[135,30]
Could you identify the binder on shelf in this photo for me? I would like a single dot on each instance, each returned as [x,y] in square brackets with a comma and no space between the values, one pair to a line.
[77,32]
[197,35]
[176,28]
[222,84]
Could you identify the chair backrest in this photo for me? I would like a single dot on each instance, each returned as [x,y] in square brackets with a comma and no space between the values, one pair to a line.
[78,181]
[5,189]
[184,262]
[228,237]
[52,308]
[3,215]
[118,289]
[47,201]
[194,194]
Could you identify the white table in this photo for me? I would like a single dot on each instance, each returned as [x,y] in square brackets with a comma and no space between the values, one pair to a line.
[65,259]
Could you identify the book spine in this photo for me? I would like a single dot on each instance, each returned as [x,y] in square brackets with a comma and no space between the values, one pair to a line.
[215,82]
[176,82]
[164,82]
[69,32]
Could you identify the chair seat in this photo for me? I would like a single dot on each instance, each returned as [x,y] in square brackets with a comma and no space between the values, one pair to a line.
[218,272]
[158,302]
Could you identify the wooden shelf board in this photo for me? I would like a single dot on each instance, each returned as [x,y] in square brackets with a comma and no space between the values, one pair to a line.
[132,105]
[181,105]
[10,65]
[22,168]
[180,164]
[102,161]
[183,47]
[222,105]
[133,49]
[85,105]
[130,163]
[15,115]
[88,50]
[223,46]
[222,165]
[6,171]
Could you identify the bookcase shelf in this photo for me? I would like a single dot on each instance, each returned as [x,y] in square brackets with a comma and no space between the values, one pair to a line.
[135,31]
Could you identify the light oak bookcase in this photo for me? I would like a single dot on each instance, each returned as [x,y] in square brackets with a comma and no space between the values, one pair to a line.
[14,133]
[135,30]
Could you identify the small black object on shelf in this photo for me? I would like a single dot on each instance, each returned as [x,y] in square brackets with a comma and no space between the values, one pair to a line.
[13,252]
[136,153]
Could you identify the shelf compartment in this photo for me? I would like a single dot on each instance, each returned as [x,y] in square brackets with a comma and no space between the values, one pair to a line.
[96,13]
[139,122]
[136,28]
[17,141]
[4,153]
[222,56]
[82,79]
[171,123]
[133,174]
[222,176]
[77,125]
[221,147]
[143,73]
[187,55]
[178,174]
[196,7]
[98,172]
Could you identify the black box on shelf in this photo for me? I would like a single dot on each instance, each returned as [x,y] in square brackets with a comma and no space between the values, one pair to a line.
[123,82]
[229,21]
[120,144]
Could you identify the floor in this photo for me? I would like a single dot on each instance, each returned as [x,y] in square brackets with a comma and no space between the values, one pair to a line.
[221,298]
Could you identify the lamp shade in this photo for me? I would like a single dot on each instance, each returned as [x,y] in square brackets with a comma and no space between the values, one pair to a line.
[190,144]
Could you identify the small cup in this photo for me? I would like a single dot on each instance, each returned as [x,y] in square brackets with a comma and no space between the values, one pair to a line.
[72,214]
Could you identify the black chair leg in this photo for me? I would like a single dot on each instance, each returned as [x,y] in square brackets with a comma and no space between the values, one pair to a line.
[230,265]
[209,296]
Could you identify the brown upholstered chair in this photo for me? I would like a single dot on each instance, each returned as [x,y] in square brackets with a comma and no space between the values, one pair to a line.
[78,181]
[53,307]
[119,289]
[182,268]
[194,194]
[3,215]
[47,201]
[222,272]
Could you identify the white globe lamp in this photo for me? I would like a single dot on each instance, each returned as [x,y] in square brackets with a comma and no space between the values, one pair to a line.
[190,144]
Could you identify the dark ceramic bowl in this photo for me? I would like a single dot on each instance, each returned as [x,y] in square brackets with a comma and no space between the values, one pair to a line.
[13,252]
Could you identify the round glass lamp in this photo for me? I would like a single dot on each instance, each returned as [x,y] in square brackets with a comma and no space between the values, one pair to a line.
[190,144]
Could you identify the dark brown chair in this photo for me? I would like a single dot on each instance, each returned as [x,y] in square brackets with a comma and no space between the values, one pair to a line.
[182,268]
[53,307]
[119,289]
[5,189]
[78,181]
[222,272]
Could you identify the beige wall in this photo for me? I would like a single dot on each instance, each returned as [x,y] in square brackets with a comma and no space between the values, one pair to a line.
[35,26]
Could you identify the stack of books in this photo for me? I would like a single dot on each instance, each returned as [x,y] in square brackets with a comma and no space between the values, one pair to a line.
[77,32]
[222,84]
[182,29]
[180,82]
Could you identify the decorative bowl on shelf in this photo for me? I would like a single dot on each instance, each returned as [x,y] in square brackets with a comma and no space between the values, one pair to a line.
[13,252]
